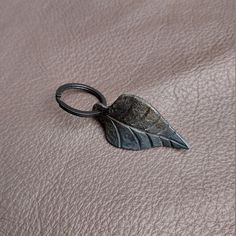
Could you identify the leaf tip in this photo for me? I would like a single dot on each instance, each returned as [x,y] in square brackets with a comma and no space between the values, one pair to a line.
[179,142]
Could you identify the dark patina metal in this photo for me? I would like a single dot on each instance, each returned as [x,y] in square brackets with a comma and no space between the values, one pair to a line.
[129,123]
[82,87]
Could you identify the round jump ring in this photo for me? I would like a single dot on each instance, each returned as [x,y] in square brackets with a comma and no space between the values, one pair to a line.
[82,87]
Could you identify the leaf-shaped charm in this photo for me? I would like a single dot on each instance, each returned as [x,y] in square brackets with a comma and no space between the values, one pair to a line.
[132,123]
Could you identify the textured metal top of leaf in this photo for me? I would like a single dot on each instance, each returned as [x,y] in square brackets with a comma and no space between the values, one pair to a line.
[132,123]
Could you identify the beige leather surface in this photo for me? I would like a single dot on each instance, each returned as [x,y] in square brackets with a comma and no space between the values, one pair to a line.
[58,174]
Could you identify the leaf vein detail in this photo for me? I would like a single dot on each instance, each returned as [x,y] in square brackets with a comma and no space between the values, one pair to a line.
[117,133]
[135,137]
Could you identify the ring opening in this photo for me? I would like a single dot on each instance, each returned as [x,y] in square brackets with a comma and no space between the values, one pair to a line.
[81,87]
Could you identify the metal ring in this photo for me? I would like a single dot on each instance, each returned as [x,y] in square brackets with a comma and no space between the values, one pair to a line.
[82,87]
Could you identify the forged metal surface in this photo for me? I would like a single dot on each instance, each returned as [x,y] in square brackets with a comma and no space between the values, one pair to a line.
[131,123]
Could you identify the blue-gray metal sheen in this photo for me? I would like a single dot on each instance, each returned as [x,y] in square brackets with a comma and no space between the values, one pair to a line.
[131,123]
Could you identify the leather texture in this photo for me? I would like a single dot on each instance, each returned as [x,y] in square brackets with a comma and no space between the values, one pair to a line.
[58,174]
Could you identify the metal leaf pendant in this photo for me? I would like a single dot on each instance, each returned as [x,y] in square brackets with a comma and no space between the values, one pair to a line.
[129,123]
[132,123]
